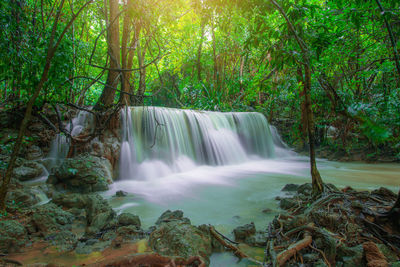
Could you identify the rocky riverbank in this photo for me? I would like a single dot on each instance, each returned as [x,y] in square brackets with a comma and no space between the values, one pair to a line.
[343,228]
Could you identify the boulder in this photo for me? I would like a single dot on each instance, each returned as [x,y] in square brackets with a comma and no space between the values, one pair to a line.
[64,240]
[99,214]
[177,237]
[28,170]
[290,188]
[50,218]
[305,189]
[13,236]
[384,193]
[241,233]
[125,219]
[169,216]
[34,153]
[130,232]
[21,198]
[121,193]
[83,174]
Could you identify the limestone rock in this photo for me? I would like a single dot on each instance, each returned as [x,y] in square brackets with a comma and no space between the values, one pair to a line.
[99,214]
[169,216]
[34,153]
[13,235]
[64,240]
[175,236]
[125,219]
[290,188]
[28,170]
[84,174]
[21,197]
[49,218]
[244,231]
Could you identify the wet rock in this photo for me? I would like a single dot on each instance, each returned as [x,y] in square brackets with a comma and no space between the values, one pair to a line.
[13,236]
[21,198]
[169,216]
[385,193]
[72,200]
[99,214]
[305,189]
[241,233]
[247,234]
[34,153]
[290,188]
[259,239]
[28,170]
[267,210]
[100,222]
[49,218]
[64,240]
[175,236]
[121,193]
[287,203]
[125,219]
[83,174]
[130,232]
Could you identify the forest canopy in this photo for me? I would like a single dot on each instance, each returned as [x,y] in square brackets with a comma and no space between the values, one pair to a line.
[214,55]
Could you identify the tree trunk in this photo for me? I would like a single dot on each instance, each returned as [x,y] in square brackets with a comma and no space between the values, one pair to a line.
[38,88]
[125,86]
[108,94]
[392,40]
[141,53]
[214,47]
[317,183]
[199,52]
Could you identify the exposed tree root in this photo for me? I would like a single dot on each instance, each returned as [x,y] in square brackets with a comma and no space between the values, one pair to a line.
[235,249]
[374,256]
[334,227]
[291,251]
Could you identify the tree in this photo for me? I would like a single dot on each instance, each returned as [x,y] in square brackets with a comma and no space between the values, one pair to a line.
[317,183]
[107,96]
[53,45]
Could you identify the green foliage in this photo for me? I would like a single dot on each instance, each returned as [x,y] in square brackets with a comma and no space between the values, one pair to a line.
[246,55]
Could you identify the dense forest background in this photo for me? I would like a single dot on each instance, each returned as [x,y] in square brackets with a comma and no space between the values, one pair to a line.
[214,55]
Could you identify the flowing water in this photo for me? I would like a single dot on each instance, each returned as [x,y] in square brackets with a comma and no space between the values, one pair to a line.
[223,169]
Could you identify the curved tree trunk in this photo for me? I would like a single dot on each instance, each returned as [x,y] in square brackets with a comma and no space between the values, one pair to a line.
[107,96]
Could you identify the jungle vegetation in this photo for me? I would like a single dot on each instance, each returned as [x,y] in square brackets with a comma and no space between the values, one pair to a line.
[320,67]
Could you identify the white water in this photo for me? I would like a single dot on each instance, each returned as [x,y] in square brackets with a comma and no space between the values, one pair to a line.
[160,142]
[60,146]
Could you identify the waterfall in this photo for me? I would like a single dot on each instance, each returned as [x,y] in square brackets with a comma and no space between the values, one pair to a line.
[59,147]
[159,141]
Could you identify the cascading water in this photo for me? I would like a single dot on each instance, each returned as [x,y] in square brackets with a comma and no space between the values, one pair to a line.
[60,146]
[160,141]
